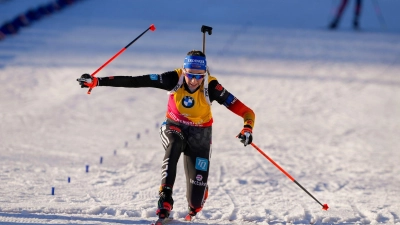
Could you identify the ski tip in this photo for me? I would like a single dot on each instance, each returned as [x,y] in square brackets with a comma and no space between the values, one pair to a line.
[152,27]
[325,207]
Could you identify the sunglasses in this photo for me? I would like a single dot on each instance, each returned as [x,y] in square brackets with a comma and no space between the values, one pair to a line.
[197,76]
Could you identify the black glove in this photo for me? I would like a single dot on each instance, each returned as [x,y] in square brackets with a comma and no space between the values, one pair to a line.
[87,81]
[245,136]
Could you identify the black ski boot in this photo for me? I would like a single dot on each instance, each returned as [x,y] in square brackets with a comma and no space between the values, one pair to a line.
[192,212]
[356,25]
[165,203]
[333,25]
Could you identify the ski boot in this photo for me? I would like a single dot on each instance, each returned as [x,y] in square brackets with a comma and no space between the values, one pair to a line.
[165,203]
[356,25]
[334,24]
[192,212]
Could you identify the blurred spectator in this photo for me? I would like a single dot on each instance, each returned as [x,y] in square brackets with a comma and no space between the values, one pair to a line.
[20,21]
[8,28]
[32,15]
[339,13]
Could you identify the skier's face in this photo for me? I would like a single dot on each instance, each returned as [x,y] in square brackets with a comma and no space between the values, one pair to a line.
[194,77]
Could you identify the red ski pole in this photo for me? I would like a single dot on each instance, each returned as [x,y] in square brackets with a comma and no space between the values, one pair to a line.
[324,206]
[152,28]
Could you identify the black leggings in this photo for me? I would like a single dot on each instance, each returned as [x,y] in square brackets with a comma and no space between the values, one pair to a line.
[195,143]
[357,9]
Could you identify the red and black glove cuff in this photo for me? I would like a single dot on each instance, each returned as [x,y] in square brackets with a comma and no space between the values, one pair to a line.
[246,128]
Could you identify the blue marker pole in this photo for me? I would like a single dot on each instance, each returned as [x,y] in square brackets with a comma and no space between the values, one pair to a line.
[52,190]
[101,160]
[69,179]
[87,168]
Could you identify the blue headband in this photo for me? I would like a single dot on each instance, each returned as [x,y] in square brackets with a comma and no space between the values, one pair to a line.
[195,62]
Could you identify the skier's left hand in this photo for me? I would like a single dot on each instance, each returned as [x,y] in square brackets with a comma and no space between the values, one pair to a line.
[87,81]
[246,136]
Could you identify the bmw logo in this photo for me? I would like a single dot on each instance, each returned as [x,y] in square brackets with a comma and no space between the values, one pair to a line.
[188,102]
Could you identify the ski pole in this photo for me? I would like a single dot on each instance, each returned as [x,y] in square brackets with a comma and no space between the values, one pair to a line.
[324,206]
[152,28]
[205,29]
[378,12]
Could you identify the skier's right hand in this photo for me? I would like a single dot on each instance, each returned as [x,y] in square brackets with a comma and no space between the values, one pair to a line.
[87,81]
[245,136]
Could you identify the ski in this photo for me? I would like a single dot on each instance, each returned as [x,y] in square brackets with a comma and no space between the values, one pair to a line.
[163,221]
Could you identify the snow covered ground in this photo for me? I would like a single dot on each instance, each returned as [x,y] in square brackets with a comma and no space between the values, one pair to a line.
[327,107]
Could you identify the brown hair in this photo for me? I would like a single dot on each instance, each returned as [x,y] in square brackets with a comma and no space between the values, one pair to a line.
[196,53]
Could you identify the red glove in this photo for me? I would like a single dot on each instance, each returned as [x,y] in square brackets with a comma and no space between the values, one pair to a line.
[246,136]
[87,81]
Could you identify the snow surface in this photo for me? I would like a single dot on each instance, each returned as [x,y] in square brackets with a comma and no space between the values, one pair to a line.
[327,107]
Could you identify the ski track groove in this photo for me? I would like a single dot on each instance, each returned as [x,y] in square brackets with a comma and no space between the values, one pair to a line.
[396,218]
[221,188]
[235,209]
[234,202]
[358,216]
[308,215]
